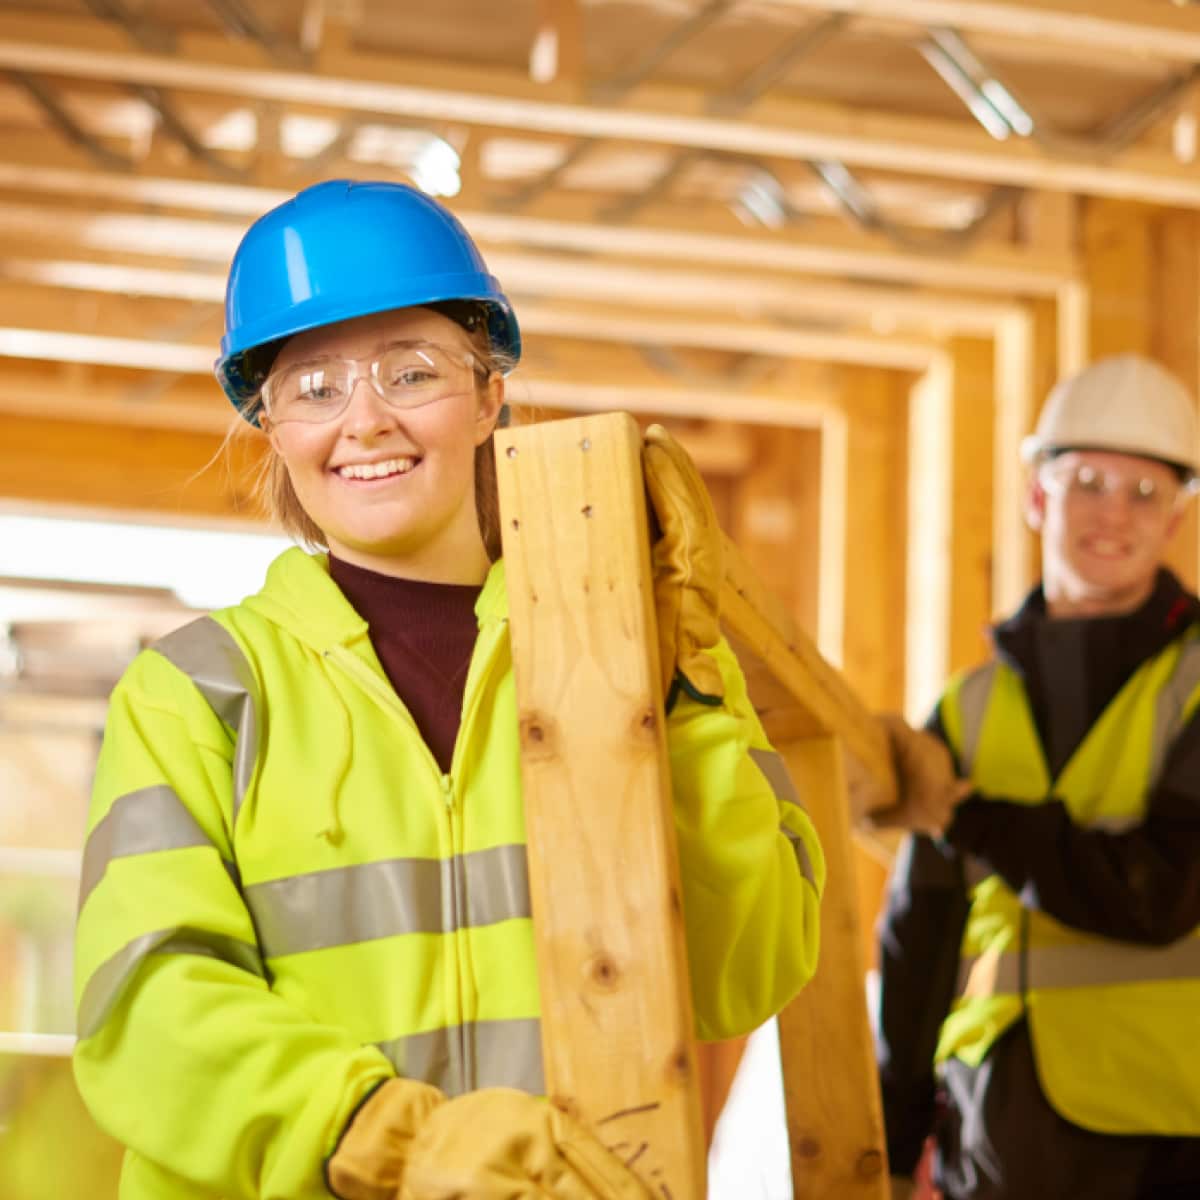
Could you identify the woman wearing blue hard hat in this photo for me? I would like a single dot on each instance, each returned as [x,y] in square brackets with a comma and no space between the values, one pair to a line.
[305,959]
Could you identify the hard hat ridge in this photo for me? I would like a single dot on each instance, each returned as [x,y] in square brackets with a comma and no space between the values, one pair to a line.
[341,249]
[1127,404]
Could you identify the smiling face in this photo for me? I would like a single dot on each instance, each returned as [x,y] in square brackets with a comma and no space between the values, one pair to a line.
[1102,545]
[392,489]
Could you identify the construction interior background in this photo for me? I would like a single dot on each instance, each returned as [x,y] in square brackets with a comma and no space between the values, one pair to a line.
[841,248]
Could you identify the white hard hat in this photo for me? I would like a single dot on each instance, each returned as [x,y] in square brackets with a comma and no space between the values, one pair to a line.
[1127,404]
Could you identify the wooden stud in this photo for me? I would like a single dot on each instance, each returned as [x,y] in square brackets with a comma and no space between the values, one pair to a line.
[616,1006]
[1175,343]
[972,541]
[835,1119]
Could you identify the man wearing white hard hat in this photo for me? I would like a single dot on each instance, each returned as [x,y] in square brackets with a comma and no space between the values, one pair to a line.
[1040,952]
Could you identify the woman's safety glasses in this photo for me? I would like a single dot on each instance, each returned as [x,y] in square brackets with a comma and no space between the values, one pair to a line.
[403,375]
[1092,485]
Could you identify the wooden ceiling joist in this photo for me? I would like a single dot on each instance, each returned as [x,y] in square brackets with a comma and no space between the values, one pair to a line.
[1116,26]
[830,249]
[778,129]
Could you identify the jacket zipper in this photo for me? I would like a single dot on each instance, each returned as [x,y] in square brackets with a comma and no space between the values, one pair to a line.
[382,692]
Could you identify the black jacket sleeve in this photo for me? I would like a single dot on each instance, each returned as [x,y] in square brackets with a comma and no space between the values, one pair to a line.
[919,937]
[1141,885]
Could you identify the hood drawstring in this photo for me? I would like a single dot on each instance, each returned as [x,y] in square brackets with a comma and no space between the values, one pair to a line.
[333,831]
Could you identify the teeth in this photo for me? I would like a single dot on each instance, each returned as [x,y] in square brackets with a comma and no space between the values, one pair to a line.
[392,466]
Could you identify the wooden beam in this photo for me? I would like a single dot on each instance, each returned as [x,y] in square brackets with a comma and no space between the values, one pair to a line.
[151,354]
[182,403]
[834,1113]
[972,440]
[1015,407]
[930,481]
[829,249]
[712,290]
[647,329]
[1174,341]
[784,129]
[1152,31]
[796,692]
[617,1037]
[557,49]
[875,406]
[160,471]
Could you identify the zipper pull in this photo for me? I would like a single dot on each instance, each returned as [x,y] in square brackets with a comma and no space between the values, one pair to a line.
[448,792]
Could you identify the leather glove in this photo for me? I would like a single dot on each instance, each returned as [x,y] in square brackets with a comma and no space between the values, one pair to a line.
[688,569]
[930,789]
[370,1157]
[502,1144]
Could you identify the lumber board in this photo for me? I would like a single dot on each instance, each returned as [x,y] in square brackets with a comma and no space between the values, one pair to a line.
[617,1028]
[834,1112]
[796,692]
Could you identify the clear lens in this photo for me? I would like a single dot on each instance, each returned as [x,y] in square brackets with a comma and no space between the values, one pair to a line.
[405,375]
[1092,485]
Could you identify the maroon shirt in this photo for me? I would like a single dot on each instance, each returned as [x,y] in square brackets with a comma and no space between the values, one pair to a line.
[424,634]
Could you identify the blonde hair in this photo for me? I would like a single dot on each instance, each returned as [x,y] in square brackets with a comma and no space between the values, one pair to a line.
[273,485]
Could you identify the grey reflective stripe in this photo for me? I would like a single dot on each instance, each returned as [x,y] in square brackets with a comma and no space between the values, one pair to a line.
[801,852]
[147,821]
[1169,706]
[479,1054]
[207,654]
[775,769]
[973,698]
[110,979]
[771,764]
[1089,965]
[381,899]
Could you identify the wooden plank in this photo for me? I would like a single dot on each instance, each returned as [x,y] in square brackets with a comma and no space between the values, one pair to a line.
[105,466]
[835,1119]
[1116,26]
[796,692]
[971,529]
[781,128]
[1176,310]
[616,1006]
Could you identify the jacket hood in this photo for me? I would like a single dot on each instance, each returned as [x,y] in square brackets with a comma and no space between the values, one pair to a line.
[299,596]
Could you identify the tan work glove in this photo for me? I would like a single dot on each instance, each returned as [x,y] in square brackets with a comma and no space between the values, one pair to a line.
[930,789]
[902,1189]
[502,1144]
[369,1161]
[688,569]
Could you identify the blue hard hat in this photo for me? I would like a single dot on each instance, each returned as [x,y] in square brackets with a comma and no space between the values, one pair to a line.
[342,249]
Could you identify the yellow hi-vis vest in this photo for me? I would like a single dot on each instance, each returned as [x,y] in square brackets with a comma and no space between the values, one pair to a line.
[1113,1024]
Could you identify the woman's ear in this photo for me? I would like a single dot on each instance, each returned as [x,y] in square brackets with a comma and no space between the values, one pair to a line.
[491,400]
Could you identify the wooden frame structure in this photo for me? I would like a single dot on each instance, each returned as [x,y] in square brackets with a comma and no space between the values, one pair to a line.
[605,887]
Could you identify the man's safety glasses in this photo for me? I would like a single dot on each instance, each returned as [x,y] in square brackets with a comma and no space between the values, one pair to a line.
[1092,485]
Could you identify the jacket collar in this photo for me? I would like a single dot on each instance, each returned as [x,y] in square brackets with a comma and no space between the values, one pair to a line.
[300,596]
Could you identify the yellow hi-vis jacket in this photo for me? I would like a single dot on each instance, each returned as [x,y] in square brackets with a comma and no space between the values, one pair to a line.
[1112,1024]
[284,900]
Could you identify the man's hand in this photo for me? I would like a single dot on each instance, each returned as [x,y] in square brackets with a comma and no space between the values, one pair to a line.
[929,788]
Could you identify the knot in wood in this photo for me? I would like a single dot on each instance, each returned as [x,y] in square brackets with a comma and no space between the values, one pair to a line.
[807,1147]
[567,1104]
[869,1164]
[537,735]
[645,724]
[603,972]
[679,1065]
